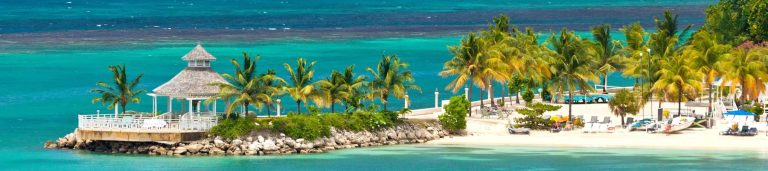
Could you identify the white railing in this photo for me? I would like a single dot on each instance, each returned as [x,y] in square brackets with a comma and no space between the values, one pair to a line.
[185,123]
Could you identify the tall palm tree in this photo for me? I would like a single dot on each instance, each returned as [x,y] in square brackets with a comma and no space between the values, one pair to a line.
[302,88]
[465,63]
[606,51]
[337,89]
[243,86]
[572,64]
[355,85]
[638,61]
[706,54]
[676,78]
[390,79]
[273,85]
[121,91]
[746,68]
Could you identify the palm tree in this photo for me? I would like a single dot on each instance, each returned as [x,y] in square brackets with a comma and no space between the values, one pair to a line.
[676,78]
[273,85]
[389,79]
[606,51]
[706,54]
[355,85]
[638,63]
[302,88]
[624,103]
[337,89]
[119,93]
[746,68]
[465,64]
[572,64]
[244,86]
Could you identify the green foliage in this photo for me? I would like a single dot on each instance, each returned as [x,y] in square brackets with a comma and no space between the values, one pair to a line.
[545,92]
[757,109]
[391,77]
[121,92]
[532,116]
[738,20]
[528,95]
[454,118]
[623,103]
[233,127]
[302,126]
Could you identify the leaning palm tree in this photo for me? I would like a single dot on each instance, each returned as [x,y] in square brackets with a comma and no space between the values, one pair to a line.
[638,61]
[677,78]
[606,51]
[273,87]
[465,64]
[706,54]
[243,86]
[355,85]
[302,88]
[337,89]
[572,64]
[746,68]
[119,93]
[390,79]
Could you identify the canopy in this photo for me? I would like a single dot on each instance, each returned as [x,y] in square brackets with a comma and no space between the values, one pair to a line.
[739,112]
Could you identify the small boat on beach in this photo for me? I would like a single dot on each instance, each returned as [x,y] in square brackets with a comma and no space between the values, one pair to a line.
[676,124]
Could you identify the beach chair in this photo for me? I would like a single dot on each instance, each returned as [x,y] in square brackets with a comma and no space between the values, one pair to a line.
[513,130]
[630,120]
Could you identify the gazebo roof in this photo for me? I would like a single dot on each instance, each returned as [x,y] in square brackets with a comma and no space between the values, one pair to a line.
[191,82]
[198,53]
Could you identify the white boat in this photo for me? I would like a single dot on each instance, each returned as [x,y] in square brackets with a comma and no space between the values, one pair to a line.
[677,124]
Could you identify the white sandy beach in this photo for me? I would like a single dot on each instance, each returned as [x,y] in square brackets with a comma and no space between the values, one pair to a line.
[492,132]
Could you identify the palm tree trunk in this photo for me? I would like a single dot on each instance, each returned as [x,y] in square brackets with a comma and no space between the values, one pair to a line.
[709,108]
[481,97]
[570,101]
[469,97]
[246,109]
[503,86]
[332,104]
[490,92]
[517,96]
[679,100]
[298,106]
[605,83]
[269,109]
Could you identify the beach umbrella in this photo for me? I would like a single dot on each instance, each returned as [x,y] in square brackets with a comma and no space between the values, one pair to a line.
[739,113]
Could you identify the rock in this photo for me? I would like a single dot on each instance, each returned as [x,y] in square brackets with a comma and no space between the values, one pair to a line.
[180,150]
[269,145]
[216,151]
[255,146]
[193,148]
[218,142]
[282,135]
[260,139]
[300,140]
[237,142]
[249,139]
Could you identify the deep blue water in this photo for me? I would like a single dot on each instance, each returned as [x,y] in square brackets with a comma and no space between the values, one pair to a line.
[53,52]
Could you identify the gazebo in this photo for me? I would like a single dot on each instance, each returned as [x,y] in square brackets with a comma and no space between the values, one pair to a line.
[192,84]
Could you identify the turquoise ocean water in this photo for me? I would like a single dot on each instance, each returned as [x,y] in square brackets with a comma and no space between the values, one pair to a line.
[53,52]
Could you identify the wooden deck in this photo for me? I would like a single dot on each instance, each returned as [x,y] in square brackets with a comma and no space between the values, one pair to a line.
[133,136]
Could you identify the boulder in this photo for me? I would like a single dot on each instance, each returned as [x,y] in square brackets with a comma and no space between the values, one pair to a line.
[193,148]
[237,142]
[255,146]
[180,150]
[260,139]
[269,145]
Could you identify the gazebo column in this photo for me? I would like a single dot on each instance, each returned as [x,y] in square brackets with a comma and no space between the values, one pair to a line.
[154,103]
[198,105]
[214,106]
[190,106]
[170,104]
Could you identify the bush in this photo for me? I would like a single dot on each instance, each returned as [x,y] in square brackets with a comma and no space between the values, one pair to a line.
[233,127]
[302,126]
[454,118]
[532,116]
[528,95]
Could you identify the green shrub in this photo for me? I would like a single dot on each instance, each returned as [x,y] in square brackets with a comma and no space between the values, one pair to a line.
[233,127]
[454,118]
[301,126]
[528,95]
[532,116]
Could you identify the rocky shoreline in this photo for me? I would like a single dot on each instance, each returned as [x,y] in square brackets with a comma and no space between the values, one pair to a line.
[263,143]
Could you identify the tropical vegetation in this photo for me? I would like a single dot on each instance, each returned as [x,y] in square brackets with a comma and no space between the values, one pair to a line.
[121,92]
